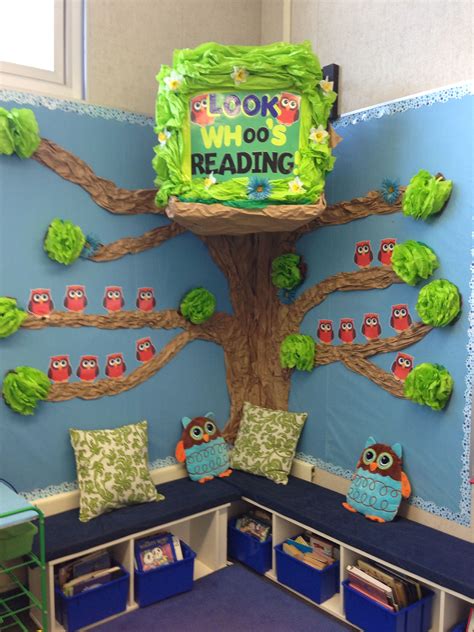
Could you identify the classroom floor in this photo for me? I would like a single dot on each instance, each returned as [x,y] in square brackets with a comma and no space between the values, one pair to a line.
[233,599]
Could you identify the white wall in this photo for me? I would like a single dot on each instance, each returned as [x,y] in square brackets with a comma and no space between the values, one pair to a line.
[388,48]
[128,40]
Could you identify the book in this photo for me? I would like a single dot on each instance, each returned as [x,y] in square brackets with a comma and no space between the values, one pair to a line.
[319,543]
[90,581]
[83,565]
[363,591]
[397,585]
[253,523]
[375,587]
[156,551]
[301,550]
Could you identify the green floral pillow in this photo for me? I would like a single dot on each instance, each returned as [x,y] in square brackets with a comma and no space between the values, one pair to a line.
[266,442]
[112,469]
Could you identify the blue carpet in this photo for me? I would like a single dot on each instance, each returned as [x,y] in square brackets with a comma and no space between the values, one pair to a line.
[233,599]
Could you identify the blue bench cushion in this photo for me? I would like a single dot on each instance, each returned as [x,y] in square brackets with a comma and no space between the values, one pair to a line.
[434,555]
[65,535]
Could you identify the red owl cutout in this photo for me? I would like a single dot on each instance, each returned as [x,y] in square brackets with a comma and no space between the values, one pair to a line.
[400,318]
[200,110]
[75,299]
[371,326]
[113,298]
[115,366]
[289,106]
[386,251]
[59,369]
[145,299]
[88,368]
[325,331]
[144,350]
[402,366]
[347,332]
[363,256]
[40,302]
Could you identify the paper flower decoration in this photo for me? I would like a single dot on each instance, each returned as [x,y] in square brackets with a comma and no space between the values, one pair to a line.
[174,81]
[64,241]
[11,317]
[296,186]
[258,188]
[430,385]
[24,387]
[163,137]
[297,351]
[438,303]
[239,75]
[198,305]
[287,271]
[390,190]
[19,132]
[318,134]
[426,195]
[413,261]
[326,85]
[209,181]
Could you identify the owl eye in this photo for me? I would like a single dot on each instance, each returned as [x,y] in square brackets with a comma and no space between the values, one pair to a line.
[44,297]
[116,294]
[63,363]
[146,345]
[196,432]
[118,361]
[142,295]
[149,294]
[79,293]
[36,298]
[403,312]
[110,294]
[197,106]
[368,321]
[391,246]
[408,363]
[360,249]
[385,461]
[401,361]
[56,364]
[204,103]
[348,325]
[369,456]
[385,247]
[85,364]
[285,102]
[396,313]
[210,427]
[141,346]
[366,249]
[92,363]
[293,105]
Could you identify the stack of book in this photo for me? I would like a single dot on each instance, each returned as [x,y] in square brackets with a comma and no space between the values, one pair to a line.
[257,523]
[311,550]
[86,573]
[157,550]
[386,587]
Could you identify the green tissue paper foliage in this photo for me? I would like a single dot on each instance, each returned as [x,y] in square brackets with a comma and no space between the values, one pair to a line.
[19,132]
[430,385]
[413,261]
[286,273]
[425,195]
[24,387]
[297,351]
[64,241]
[439,302]
[11,317]
[198,305]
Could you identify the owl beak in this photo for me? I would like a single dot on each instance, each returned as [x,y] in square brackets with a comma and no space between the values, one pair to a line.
[373,467]
[206,438]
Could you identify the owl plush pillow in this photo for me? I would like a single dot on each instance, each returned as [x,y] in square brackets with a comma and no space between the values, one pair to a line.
[203,448]
[379,483]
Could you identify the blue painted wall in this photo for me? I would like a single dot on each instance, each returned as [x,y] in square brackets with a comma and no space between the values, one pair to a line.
[344,408]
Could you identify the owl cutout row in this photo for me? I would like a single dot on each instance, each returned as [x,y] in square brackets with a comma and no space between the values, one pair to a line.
[379,482]
[41,303]
[363,255]
[88,370]
[203,448]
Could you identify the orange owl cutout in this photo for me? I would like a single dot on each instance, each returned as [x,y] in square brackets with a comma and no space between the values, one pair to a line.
[203,448]
[40,303]
[75,299]
[379,482]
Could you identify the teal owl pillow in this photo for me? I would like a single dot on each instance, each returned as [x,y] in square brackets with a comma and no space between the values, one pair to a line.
[112,469]
[203,448]
[379,482]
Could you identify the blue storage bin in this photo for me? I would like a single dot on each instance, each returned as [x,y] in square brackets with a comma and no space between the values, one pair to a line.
[317,585]
[93,605]
[165,581]
[373,617]
[248,549]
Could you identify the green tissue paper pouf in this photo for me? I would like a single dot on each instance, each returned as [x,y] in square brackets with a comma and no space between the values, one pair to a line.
[438,303]
[430,385]
[64,241]
[24,387]
[413,261]
[11,317]
[16,541]
[286,271]
[426,195]
[297,352]
[198,305]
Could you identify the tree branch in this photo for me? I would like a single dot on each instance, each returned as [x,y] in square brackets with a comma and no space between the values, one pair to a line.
[368,279]
[96,390]
[354,356]
[104,192]
[216,329]
[358,208]
[133,245]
